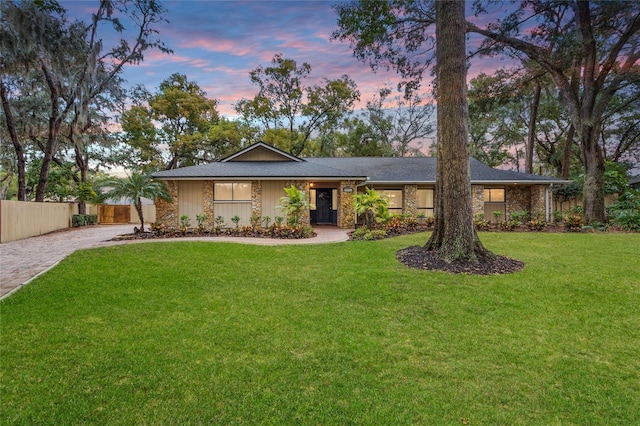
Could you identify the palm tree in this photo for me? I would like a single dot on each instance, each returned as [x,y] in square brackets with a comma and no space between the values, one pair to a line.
[294,203]
[135,187]
[373,205]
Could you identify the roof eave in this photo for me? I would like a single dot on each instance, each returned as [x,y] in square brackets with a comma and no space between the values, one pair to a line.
[520,182]
[314,178]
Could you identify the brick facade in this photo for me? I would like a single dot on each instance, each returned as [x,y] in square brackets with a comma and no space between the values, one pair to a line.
[410,200]
[346,209]
[167,211]
[518,199]
[256,198]
[477,198]
[538,201]
[207,204]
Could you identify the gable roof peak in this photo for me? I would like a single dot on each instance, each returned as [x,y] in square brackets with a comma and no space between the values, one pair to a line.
[276,153]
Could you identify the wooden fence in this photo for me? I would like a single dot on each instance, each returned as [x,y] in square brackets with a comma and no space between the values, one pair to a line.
[564,205]
[24,219]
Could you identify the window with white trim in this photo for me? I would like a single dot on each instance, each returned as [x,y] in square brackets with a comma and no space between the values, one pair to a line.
[232,191]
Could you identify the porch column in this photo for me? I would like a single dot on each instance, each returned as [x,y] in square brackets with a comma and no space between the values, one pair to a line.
[256,198]
[207,203]
[346,211]
[477,199]
[167,211]
[538,201]
[410,200]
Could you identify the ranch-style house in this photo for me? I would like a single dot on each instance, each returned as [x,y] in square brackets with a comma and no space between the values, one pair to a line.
[251,182]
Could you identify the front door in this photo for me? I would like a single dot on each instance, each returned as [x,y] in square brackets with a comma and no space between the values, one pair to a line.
[323,205]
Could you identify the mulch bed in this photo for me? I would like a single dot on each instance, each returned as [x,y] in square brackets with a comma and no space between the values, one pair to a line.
[419,258]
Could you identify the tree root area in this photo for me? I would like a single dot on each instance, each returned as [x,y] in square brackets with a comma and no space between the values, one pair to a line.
[419,258]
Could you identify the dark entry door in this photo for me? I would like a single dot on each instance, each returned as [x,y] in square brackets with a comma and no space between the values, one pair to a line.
[323,205]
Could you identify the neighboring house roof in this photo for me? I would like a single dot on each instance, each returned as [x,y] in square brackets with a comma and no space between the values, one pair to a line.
[374,170]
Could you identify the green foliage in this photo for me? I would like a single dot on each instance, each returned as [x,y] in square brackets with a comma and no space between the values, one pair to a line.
[255,221]
[201,219]
[625,213]
[60,185]
[295,204]
[236,220]
[276,333]
[480,222]
[536,224]
[497,215]
[573,222]
[519,217]
[615,181]
[186,117]
[135,187]
[372,206]
[83,220]
[280,103]
[363,233]
[185,223]
[510,225]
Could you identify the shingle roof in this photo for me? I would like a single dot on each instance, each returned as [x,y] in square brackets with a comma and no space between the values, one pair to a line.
[258,169]
[372,169]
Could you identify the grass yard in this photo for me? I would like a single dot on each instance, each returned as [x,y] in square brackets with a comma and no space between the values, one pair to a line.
[202,333]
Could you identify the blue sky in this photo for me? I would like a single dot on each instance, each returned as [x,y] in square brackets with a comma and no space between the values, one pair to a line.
[217,43]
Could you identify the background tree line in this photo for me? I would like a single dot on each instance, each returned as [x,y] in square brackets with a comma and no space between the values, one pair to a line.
[568,109]
[576,82]
[67,115]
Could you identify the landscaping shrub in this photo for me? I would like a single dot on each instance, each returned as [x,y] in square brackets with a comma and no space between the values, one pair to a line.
[625,213]
[480,222]
[536,224]
[365,234]
[83,220]
[573,222]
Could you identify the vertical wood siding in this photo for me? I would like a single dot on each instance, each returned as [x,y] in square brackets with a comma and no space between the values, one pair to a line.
[272,191]
[190,200]
[229,209]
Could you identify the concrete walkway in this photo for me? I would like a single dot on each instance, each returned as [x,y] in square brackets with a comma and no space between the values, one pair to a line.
[22,261]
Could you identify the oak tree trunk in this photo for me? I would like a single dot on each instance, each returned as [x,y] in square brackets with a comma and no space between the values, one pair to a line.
[454,236]
[20,155]
[531,134]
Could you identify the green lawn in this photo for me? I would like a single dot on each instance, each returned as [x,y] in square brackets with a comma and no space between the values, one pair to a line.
[203,333]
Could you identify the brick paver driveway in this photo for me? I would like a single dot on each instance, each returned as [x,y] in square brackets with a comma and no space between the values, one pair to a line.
[21,261]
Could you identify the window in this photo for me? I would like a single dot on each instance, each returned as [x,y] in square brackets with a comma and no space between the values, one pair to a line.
[395,199]
[312,199]
[232,191]
[425,201]
[494,204]
[494,195]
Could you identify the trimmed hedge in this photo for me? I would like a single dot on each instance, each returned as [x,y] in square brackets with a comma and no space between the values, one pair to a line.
[83,220]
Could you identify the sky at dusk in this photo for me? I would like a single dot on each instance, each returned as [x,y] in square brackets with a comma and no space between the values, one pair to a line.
[217,43]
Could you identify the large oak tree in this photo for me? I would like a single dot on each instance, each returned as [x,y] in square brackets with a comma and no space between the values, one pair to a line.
[454,236]
[590,49]
[71,59]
